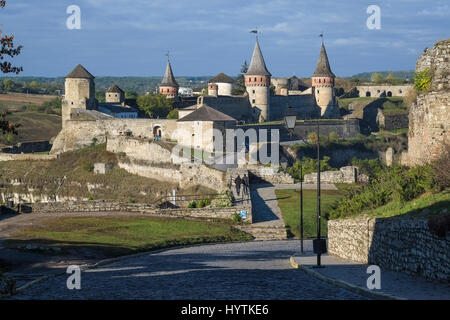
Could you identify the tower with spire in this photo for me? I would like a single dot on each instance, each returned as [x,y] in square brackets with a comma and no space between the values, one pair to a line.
[323,86]
[257,83]
[169,86]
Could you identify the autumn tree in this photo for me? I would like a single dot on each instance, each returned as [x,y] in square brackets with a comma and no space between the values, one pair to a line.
[8,50]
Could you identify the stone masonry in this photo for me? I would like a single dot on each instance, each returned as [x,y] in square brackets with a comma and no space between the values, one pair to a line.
[349,174]
[429,118]
[398,244]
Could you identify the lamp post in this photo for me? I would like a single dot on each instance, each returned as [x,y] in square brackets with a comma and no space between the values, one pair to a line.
[319,244]
[290,118]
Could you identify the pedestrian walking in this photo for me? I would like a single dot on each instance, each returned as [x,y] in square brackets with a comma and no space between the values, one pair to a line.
[246,184]
[238,182]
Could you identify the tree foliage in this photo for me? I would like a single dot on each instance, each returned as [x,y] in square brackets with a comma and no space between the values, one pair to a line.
[8,49]
[239,87]
[155,105]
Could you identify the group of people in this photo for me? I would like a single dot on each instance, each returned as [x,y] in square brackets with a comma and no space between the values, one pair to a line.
[244,182]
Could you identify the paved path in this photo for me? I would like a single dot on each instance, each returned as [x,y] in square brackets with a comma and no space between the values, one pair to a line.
[392,283]
[253,270]
[265,206]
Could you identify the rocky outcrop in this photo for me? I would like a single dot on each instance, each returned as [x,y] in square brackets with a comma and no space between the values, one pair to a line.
[429,117]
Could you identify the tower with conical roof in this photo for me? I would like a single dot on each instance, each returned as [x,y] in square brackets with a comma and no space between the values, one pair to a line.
[79,92]
[323,85]
[169,86]
[257,83]
[114,94]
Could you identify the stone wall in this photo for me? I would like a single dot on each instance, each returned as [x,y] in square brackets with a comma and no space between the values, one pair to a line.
[429,117]
[384,90]
[26,156]
[398,244]
[79,134]
[392,121]
[102,206]
[349,174]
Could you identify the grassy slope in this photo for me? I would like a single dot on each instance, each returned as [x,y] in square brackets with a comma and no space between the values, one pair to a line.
[46,176]
[289,203]
[125,235]
[424,206]
[35,126]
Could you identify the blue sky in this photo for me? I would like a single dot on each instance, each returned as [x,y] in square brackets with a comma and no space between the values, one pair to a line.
[205,37]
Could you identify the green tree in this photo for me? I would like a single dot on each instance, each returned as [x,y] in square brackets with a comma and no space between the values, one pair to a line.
[239,87]
[333,137]
[312,137]
[155,105]
[100,96]
[131,94]
[9,85]
[173,114]
[376,77]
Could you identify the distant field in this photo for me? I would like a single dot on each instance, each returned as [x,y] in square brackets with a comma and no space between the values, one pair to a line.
[35,126]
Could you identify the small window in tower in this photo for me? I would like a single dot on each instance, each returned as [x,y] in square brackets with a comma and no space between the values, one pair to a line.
[261,79]
[253,100]
[255,79]
[253,91]
[319,80]
[318,91]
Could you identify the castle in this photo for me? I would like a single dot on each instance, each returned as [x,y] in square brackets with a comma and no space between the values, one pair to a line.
[258,104]
[85,119]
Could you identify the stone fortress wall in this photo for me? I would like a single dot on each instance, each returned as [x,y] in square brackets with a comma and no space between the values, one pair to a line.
[398,244]
[429,116]
[387,90]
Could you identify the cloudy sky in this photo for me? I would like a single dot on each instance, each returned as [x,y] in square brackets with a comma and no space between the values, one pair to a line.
[205,37]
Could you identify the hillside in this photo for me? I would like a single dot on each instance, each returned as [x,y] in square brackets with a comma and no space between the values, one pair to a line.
[71,175]
[408,74]
[38,122]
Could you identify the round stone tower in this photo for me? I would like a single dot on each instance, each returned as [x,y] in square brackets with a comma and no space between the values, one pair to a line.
[79,92]
[257,83]
[323,86]
[168,86]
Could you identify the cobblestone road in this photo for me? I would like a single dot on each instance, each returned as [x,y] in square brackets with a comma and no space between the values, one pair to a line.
[254,270]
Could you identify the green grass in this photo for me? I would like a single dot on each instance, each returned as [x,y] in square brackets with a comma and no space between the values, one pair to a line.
[427,205]
[289,203]
[116,236]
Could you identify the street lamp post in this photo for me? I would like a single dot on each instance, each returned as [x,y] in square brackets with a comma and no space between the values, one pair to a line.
[290,118]
[320,244]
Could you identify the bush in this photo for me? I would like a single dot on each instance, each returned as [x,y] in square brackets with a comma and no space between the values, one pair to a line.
[192,204]
[422,80]
[309,166]
[223,200]
[203,203]
[237,218]
[91,197]
[387,184]
[87,165]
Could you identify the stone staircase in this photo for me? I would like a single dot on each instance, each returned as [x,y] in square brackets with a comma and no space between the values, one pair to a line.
[265,232]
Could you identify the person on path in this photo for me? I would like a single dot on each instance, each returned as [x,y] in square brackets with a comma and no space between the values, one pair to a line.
[238,182]
[246,184]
